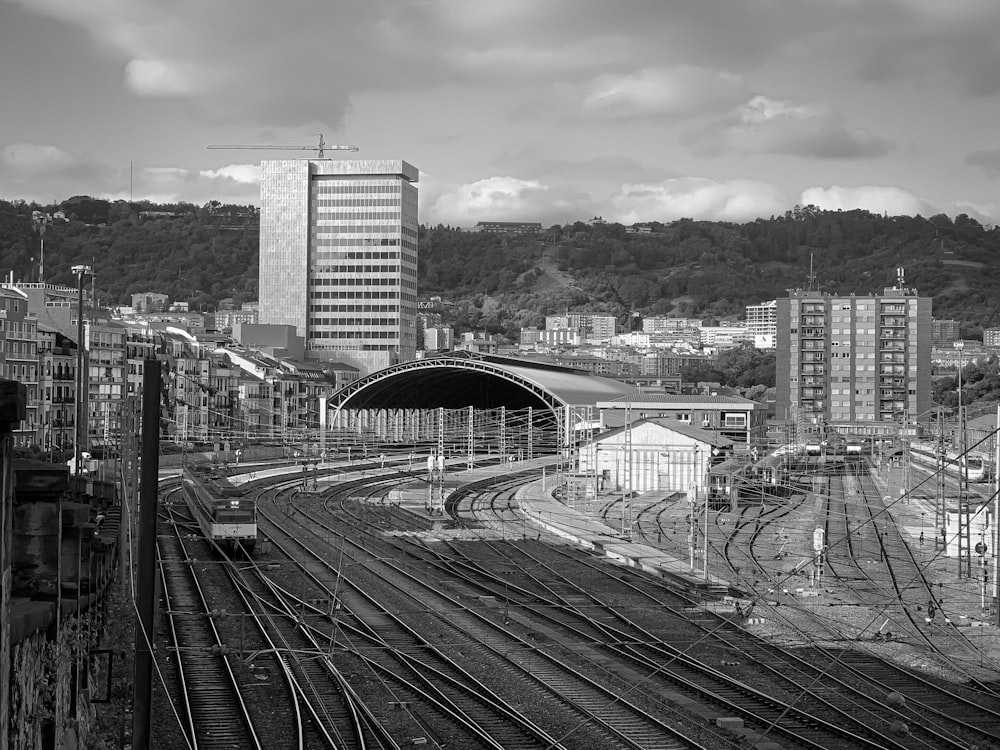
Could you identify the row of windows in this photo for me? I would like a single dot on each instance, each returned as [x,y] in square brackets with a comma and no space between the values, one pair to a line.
[355,295]
[356,282]
[25,347]
[356,242]
[352,202]
[354,321]
[19,372]
[344,256]
[334,219]
[358,229]
[357,269]
[354,335]
[354,308]
[323,187]
[16,326]
[316,346]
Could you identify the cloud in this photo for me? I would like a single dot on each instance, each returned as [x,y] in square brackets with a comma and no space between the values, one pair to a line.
[986,160]
[922,41]
[43,171]
[764,125]
[696,198]
[163,78]
[496,198]
[37,157]
[887,199]
[246,174]
[684,90]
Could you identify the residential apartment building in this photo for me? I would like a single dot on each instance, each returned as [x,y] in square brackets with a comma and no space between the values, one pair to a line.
[944,332]
[338,257]
[762,324]
[730,417]
[19,357]
[991,338]
[150,302]
[668,325]
[662,364]
[591,326]
[225,320]
[509,227]
[57,389]
[606,368]
[853,364]
[480,343]
[106,382]
[438,338]
[722,336]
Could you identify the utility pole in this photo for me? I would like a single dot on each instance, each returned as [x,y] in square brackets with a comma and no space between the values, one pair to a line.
[146,584]
[996,521]
[962,473]
[704,553]
[80,429]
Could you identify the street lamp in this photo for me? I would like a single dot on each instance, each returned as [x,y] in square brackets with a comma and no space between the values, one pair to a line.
[79,437]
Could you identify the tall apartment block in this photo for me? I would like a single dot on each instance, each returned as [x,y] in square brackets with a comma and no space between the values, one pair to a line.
[338,257]
[853,364]
[762,324]
[590,325]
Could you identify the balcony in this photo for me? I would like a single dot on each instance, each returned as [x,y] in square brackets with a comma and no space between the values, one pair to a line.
[813,369]
[812,332]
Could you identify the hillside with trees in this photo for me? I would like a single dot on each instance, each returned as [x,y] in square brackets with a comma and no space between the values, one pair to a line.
[686,268]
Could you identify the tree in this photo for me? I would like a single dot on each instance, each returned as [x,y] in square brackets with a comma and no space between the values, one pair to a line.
[746,365]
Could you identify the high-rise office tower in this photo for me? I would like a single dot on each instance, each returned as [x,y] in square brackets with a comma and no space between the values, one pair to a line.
[857,364]
[338,257]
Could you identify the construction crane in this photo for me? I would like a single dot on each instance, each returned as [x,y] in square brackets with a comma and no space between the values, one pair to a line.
[320,148]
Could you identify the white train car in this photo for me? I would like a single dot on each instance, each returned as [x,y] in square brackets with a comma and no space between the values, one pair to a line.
[928,456]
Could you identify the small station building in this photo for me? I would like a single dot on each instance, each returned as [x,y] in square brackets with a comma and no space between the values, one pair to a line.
[664,455]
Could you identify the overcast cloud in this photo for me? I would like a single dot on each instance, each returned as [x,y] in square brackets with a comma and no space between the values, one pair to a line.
[514,109]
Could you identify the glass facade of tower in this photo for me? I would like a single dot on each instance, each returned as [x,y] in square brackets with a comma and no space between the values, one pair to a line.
[338,257]
[853,362]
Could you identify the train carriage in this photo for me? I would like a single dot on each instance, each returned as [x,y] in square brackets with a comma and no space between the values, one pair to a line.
[223,513]
[737,481]
[928,456]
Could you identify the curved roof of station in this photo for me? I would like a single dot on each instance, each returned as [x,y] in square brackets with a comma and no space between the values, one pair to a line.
[462,379]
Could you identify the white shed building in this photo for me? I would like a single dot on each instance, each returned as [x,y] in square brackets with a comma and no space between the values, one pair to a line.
[653,454]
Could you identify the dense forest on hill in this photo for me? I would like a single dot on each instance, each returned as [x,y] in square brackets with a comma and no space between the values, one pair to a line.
[708,270]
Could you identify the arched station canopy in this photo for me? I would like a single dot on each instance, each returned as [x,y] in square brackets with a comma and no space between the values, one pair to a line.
[461,379]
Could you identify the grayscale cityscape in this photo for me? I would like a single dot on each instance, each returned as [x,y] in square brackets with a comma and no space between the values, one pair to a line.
[499,375]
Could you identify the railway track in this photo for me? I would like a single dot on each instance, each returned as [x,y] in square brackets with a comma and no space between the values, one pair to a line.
[518,662]
[214,712]
[384,607]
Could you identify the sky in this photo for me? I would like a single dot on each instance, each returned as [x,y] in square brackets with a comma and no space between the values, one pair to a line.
[515,110]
